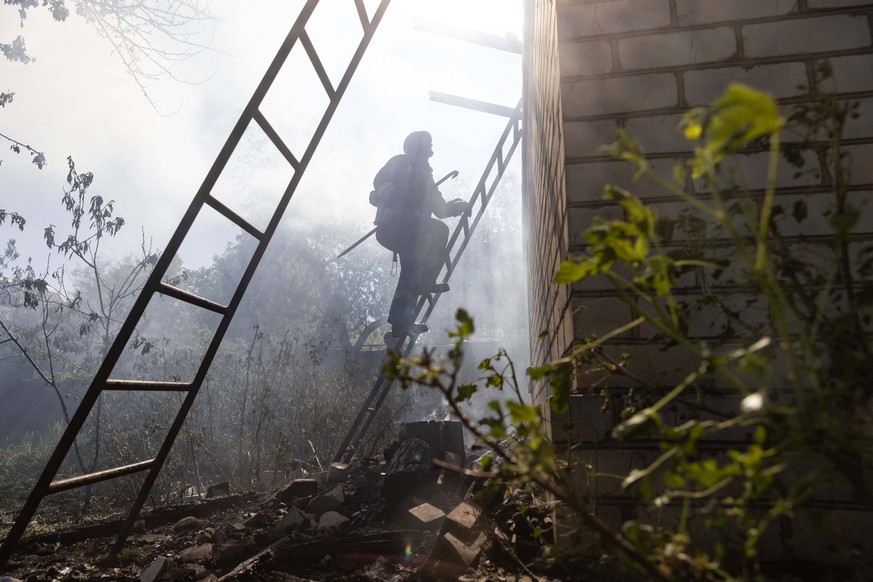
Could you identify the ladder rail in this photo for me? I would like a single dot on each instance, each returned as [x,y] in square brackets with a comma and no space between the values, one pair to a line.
[249,272]
[382,386]
[154,284]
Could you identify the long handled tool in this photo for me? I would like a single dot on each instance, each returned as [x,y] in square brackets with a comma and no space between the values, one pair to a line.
[452,174]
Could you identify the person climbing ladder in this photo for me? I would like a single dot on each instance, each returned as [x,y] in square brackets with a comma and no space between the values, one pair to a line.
[407,198]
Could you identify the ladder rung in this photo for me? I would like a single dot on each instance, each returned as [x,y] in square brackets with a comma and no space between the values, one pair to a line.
[147,386]
[316,63]
[362,13]
[181,295]
[277,141]
[91,478]
[233,217]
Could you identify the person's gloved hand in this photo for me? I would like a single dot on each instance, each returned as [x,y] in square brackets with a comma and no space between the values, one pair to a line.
[457,207]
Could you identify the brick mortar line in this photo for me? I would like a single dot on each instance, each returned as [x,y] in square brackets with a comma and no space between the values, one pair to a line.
[687,155]
[790,16]
[666,199]
[583,295]
[625,116]
[742,62]
[726,243]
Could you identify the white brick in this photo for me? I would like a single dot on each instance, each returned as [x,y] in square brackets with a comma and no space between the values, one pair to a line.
[805,36]
[854,73]
[817,221]
[585,182]
[837,3]
[656,365]
[750,171]
[863,126]
[583,218]
[588,58]
[659,134]
[587,419]
[691,12]
[585,138]
[780,80]
[677,48]
[860,164]
[597,317]
[602,18]
[619,95]
[861,202]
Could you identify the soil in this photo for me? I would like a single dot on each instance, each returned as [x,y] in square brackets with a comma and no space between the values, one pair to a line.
[347,530]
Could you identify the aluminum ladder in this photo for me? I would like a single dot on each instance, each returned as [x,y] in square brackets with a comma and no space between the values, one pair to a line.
[482,194]
[156,285]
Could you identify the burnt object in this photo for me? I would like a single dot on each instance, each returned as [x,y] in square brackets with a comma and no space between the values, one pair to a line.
[410,471]
[445,437]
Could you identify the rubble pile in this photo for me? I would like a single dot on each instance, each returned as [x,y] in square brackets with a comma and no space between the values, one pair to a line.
[396,517]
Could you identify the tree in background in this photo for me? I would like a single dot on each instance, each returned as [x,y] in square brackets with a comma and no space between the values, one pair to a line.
[149,36]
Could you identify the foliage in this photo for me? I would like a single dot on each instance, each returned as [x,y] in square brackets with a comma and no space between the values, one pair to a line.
[280,394]
[149,37]
[732,286]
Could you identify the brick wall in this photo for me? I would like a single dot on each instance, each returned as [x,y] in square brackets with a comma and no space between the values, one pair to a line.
[641,64]
[545,204]
[594,65]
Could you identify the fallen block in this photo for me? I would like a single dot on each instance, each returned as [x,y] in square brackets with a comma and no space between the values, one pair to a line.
[426,516]
[327,501]
[332,520]
[452,549]
[155,569]
[462,521]
[338,472]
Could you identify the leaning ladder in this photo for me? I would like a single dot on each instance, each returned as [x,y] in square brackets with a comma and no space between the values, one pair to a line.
[503,151]
[46,485]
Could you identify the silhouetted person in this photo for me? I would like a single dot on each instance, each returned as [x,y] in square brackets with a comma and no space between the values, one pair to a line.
[407,198]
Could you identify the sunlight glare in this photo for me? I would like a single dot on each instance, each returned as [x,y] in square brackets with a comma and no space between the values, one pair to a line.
[491,16]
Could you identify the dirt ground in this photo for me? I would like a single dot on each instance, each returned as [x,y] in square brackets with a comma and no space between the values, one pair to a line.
[352,523]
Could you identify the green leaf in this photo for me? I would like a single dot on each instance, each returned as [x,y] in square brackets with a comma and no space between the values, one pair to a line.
[465,392]
[572,271]
[738,117]
[521,413]
[465,324]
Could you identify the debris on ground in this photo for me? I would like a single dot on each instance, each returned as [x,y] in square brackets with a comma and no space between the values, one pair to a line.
[395,518]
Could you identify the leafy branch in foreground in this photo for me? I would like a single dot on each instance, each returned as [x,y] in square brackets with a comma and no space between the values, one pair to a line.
[770,327]
[514,431]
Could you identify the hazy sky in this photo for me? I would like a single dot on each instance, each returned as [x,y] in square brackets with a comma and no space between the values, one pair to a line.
[76,99]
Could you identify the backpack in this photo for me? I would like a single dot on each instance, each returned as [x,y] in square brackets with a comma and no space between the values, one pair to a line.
[385,183]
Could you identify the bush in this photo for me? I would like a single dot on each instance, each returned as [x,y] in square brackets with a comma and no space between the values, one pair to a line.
[788,333]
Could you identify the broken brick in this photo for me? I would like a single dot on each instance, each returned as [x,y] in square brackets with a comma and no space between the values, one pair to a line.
[155,569]
[186,524]
[462,521]
[332,520]
[328,501]
[234,551]
[338,472]
[201,553]
[295,520]
[426,516]
[453,549]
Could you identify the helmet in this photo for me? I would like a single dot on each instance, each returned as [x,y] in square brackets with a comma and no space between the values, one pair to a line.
[416,142]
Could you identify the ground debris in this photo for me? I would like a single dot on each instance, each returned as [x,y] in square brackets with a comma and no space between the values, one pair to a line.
[352,526]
